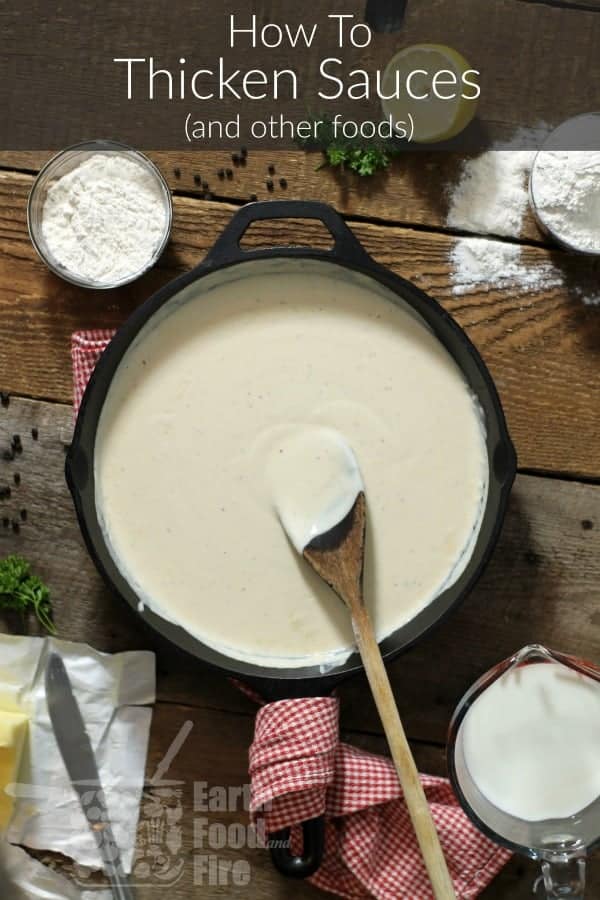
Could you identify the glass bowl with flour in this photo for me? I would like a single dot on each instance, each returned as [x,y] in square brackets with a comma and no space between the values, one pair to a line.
[99,214]
[564,186]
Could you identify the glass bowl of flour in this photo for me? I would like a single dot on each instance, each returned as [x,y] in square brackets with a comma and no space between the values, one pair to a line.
[99,214]
[564,186]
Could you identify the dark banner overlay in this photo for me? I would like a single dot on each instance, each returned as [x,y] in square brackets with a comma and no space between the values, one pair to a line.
[198,75]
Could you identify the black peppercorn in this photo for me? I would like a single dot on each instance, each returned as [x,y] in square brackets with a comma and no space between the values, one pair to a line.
[235,159]
[283,183]
[271,169]
[17,478]
[197,179]
[229,173]
[23,515]
[221,174]
[177,172]
[269,183]
[34,434]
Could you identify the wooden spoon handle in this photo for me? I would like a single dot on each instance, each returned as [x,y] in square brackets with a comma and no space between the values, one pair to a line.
[408,775]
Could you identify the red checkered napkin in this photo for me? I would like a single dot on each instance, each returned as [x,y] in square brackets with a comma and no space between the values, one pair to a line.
[86,350]
[299,770]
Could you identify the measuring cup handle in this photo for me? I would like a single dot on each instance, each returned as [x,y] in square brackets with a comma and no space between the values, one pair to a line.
[562,878]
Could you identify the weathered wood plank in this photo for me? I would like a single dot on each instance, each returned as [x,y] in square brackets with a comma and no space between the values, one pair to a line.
[413,191]
[543,584]
[540,347]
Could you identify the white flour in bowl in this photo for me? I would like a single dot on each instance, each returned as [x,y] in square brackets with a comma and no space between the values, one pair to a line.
[566,190]
[104,220]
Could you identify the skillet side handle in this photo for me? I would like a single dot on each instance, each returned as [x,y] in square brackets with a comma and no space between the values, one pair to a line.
[504,461]
[346,246]
[77,469]
[313,836]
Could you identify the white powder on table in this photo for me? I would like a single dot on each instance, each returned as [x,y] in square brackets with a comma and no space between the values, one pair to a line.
[491,195]
[589,296]
[566,190]
[481,263]
[104,220]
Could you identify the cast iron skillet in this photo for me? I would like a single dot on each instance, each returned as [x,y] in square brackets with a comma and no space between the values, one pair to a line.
[275,683]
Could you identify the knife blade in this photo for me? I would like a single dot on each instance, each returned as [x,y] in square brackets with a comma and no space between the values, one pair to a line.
[78,756]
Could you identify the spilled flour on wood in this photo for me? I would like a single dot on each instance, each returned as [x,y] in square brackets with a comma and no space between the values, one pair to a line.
[491,196]
[478,263]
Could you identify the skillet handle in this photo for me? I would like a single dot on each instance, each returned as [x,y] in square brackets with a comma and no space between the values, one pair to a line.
[313,836]
[346,246]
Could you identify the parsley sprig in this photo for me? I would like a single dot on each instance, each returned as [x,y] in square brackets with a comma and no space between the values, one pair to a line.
[360,156]
[24,592]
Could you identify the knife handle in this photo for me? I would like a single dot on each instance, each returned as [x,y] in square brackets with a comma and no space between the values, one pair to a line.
[113,866]
[120,887]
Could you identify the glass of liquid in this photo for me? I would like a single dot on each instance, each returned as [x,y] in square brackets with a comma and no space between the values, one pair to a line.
[524,759]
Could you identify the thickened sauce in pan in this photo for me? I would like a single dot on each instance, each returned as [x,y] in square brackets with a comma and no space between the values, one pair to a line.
[185,444]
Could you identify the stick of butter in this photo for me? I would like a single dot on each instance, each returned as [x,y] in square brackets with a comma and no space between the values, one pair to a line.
[13,730]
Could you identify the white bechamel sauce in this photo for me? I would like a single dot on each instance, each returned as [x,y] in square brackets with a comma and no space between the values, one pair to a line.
[314,480]
[532,742]
[184,451]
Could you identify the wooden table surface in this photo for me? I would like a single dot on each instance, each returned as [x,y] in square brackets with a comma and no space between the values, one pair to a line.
[543,583]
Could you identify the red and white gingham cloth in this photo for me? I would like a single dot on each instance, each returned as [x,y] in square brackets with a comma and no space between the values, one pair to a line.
[300,770]
[86,350]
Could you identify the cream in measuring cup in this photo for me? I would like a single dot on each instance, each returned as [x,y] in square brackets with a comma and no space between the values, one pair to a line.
[524,757]
[532,741]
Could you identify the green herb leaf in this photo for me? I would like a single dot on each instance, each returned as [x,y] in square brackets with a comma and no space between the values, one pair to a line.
[360,156]
[24,592]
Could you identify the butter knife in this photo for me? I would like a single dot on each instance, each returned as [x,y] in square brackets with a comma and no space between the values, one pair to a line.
[76,750]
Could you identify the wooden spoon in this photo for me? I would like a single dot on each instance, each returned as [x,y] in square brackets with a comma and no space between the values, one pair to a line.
[338,557]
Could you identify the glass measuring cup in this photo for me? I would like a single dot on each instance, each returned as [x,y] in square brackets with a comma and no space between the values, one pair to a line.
[560,844]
